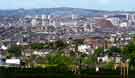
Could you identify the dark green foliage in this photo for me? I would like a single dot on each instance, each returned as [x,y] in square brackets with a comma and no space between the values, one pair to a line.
[15,50]
[129,52]
[98,51]
[59,58]
[59,44]
[88,60]
[115,49]
[39,46]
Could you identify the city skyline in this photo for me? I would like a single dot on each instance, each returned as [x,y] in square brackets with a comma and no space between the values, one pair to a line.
[86,4]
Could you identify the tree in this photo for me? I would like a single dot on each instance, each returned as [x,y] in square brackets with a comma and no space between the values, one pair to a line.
[115,49]
[131,47]
[129,52]
[88,60]
[15,50]
[125,52]
[41,60]
[59,58]
[59,44]
[38,46]
[98,51]
[132,59]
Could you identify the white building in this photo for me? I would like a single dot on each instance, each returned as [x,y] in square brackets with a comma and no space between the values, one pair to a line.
[13,61]
[34,22]
[103,59]
[3,47]
[85,49]
[124,24]
[40,53]
[115,21]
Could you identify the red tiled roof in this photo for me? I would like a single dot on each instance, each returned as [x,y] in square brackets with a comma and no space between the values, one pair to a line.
[103,23]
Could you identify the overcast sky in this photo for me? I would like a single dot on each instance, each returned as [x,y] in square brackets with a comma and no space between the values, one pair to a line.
[89,4]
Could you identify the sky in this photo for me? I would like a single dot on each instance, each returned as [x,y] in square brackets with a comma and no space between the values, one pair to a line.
[123,5]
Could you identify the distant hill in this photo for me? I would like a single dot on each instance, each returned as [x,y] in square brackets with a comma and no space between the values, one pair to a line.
[62,11]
